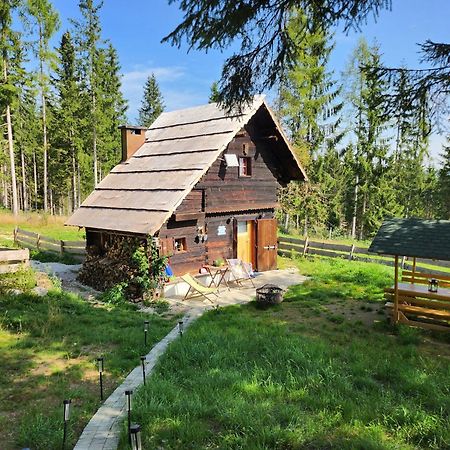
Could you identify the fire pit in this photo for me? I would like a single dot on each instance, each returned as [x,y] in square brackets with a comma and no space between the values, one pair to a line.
[269,294]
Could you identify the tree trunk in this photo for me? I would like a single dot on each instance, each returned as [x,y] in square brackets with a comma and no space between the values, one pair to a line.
[35,179]
[74,181]
[94,137]
[15,208]
[24,181]
[355,208]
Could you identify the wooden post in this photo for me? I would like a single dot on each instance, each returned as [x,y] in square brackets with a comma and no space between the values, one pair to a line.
[15,234]
[38,242]
[305,247]
[413,269]
[62,247]
[352,249]
[402,264]
[395,318]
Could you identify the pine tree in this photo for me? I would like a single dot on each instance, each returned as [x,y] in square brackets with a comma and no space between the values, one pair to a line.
[152,104]
[214,96]
[113,107]
[9,42]
[88,34]
[68,115]
[47,23]
[444,183]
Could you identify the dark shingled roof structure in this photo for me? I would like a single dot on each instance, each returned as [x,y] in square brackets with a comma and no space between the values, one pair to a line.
[413,237]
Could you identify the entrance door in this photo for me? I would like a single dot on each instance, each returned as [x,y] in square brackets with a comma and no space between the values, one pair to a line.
[266,244]
[245,241]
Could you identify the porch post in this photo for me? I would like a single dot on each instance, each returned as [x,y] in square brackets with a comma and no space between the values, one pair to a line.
[414,268]
[396,291]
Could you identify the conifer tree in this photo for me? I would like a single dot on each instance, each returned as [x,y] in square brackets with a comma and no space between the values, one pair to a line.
[152,104]
[68,112]
[88,34]
[47,23]
[9,42]
[214,96]
[444,183]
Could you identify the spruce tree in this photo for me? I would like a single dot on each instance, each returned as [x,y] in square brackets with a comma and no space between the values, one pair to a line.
[152,104]
[9,42]
[47,23]
[214,96]
[68,115]
[444,183]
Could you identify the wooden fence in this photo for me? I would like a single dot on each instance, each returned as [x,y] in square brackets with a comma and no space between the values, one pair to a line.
[28,239]
[293,246]
[12,259]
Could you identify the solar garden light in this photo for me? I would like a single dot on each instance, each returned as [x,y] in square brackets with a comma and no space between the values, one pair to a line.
[143,367]
[66,404]
[146,324]
[135,433]
[433,285]
[128,394]
[180,328]
[100,362]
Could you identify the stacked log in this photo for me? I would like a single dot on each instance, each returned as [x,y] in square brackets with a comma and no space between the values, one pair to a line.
[111,264]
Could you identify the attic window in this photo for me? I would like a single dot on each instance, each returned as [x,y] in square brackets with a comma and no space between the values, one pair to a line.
[245,167]
[179,245]
[136,131]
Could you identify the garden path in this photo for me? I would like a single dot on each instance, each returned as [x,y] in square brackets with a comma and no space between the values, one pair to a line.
[103,430]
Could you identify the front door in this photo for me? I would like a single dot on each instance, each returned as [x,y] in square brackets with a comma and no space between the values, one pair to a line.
[266,244]
[245,241]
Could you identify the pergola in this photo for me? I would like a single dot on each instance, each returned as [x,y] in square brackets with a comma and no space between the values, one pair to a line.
[416,238]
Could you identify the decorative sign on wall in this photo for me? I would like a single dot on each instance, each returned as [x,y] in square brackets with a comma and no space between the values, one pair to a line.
[221,230]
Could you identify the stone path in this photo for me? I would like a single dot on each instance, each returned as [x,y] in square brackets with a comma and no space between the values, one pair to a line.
[103,430]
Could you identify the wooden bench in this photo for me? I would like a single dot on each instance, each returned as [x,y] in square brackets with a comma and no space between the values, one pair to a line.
[419,307]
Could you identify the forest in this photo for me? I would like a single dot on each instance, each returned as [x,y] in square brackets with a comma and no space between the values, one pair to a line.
[365,142]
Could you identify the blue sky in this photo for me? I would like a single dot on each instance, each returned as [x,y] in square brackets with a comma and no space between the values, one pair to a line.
[136,28]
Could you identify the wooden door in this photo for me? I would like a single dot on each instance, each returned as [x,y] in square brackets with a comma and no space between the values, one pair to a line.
[266,244]
[245,241]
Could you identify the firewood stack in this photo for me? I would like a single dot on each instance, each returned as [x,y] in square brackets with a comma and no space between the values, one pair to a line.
[112,264]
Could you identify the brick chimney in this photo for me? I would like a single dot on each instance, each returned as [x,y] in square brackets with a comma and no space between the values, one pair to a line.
[132,138]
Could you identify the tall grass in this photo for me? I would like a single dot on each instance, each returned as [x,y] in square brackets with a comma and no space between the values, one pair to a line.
[283,378]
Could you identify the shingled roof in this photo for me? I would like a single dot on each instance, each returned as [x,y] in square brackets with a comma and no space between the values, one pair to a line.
[139,195]
[413,237]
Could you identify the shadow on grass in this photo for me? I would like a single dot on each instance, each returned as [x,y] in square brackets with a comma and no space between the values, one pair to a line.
[48,349]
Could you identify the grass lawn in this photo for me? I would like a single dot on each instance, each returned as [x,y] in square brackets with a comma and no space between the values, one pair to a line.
[51,226]
[48,351]
[311,373]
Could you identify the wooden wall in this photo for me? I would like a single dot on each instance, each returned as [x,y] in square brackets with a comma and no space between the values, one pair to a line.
[224,197]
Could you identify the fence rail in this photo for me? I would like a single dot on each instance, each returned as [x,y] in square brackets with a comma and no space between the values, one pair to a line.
[28,239]
[11,260]
[290,247]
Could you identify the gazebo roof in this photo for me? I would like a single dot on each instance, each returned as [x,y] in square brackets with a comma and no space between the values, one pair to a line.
[413,237]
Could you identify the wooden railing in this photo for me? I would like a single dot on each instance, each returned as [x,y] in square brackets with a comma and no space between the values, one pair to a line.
[28,239]
[12,259]
[290,247]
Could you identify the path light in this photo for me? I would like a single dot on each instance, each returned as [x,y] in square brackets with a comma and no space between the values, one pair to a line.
[100,362]
[433,285]
[146,324]
[128,394]
[66,404]
[143,367]
[135,433]
[180,328]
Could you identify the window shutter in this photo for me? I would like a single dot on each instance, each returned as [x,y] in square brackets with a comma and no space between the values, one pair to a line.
[166,246]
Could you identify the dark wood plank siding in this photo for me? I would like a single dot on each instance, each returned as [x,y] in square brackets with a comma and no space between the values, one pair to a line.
[225,197]
[225,190]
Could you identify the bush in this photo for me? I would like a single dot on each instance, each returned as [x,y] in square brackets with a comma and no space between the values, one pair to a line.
[23,280]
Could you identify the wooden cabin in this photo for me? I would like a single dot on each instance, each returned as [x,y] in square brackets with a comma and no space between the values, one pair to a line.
[201,181]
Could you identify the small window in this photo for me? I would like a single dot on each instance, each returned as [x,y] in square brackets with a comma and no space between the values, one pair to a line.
[136,131]
[180,245]
[245,167]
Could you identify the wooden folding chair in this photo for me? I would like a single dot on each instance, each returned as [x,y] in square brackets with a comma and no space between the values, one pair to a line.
[196,289]
[239,271]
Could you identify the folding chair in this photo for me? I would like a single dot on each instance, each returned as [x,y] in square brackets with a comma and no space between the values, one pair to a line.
[196,289]
[240,271]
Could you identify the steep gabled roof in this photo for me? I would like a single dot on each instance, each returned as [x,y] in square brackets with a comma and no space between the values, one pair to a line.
[428,239]
[139,195]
